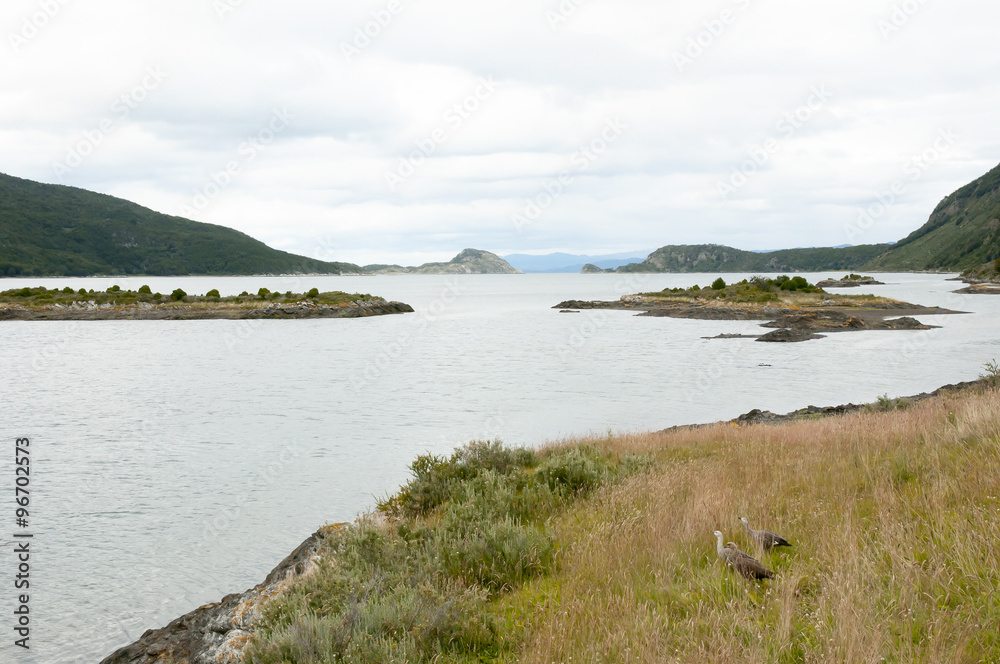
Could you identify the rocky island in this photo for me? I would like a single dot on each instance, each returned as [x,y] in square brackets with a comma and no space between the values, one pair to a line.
[117,304]
[849,281]
[799,311]
[469,261]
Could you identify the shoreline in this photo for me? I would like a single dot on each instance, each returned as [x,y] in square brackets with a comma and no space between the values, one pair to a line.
[89,311]
[221,631]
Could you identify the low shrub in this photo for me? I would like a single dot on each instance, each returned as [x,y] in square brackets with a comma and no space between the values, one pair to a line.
[213,293]
[145,290]
[178,295]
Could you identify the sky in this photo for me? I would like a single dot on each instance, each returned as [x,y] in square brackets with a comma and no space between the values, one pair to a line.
[402,131]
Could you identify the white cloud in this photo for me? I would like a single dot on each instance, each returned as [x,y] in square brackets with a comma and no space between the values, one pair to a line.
[319,184]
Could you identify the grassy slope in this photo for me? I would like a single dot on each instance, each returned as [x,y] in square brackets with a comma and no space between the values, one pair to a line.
[894,516]
[52,230]
[963,232]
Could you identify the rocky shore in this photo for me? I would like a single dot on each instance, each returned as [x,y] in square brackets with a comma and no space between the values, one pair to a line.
[198,311]
[219,633]
[792,325]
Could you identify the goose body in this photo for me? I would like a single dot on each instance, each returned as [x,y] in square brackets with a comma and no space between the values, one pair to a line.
[765,539]
[720,548]
[746,565]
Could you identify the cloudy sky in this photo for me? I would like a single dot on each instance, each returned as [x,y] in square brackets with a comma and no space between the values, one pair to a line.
[406,130]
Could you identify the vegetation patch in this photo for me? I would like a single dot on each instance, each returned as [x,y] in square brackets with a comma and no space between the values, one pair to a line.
[423,579]
[43,297]
[570,554]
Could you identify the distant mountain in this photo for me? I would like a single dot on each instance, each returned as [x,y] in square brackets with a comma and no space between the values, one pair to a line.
[718,258]
[571,263]
[53,230]
[470,261]
[963,232]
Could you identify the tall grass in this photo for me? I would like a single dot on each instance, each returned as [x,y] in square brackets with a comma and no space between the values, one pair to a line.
[581,553]
[895,521]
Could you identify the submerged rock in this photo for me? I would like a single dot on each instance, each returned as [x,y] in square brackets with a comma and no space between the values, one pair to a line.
[787,335]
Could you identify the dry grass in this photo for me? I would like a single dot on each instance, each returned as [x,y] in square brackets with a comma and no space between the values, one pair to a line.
[894,517]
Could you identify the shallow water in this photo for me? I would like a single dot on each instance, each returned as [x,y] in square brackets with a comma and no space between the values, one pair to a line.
[175,462]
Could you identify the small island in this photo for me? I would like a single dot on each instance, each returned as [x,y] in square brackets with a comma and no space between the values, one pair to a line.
[798,310]
[469,261]
[982,280]
[849,281]
[116,304]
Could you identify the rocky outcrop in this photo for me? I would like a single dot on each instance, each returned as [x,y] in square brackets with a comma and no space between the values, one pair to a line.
[757,416]
[849,282]
[590,268]
[144,311]
[470,261]
[793,325]
[786,335]
[219,633]
[980,289]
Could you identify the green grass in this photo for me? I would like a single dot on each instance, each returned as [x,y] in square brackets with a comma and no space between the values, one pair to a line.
[602,550]
[423,579]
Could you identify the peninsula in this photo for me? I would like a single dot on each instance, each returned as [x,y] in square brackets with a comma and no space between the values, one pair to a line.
[799,310]
[117,304]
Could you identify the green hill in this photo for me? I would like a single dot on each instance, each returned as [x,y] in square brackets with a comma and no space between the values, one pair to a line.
[53,230]
[718,258]
[963,232]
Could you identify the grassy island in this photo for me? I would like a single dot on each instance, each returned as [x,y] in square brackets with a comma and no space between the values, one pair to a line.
[764,292]
[41,303]
[800,310]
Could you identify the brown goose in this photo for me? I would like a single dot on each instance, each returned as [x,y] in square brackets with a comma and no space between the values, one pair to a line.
[765,539]
[746,565]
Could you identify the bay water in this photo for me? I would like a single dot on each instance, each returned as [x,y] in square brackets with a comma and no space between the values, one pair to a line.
[175,462]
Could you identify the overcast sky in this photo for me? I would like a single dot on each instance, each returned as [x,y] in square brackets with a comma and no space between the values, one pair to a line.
[407,130]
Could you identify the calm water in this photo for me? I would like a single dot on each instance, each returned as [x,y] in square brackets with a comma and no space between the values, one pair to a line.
[176,462]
